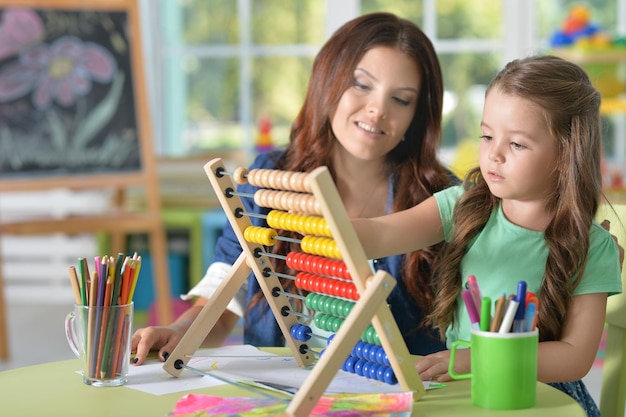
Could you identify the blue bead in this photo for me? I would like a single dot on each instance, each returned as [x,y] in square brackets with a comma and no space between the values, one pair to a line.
[358,367]
[349,364]
[373,353]
[294,331]
[380,373]
[366,351]
[306,332]
[358,350]
[373,371]
[390,377]
[366,368]
[382,358]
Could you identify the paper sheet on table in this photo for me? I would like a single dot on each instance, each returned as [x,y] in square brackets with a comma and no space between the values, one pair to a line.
[153,379]
[244,363]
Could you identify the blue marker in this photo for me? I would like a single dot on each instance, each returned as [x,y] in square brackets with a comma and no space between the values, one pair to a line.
[529,317]
[518,323]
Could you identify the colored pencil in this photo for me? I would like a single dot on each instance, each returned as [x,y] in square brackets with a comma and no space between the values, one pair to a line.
[497,315]
[136,268]
[92,329]
[74,280]
[103,325]
[112,283]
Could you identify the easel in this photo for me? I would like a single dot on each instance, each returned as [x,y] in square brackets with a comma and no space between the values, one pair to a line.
[370,307]
[118,221]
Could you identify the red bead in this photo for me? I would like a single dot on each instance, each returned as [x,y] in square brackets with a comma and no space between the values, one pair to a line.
[317,285]
[306,264]
[299,280]
[291,260]
[301,261]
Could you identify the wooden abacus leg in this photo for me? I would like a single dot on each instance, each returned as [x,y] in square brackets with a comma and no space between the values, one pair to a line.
[339,349]
[391,339]
[4,334]
[208,316]
[260,265]
[160,275]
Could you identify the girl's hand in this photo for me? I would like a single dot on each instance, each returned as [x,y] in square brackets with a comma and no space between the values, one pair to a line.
[434,367]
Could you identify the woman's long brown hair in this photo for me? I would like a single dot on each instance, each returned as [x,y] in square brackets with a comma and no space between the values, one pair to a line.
[570,105]
[417,170]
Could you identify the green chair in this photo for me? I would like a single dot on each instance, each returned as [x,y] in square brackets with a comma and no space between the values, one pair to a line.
[613,394]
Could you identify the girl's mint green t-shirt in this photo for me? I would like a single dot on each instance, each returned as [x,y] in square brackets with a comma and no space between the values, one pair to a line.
[503,253]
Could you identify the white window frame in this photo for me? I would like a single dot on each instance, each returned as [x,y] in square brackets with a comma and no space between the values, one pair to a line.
[519,39]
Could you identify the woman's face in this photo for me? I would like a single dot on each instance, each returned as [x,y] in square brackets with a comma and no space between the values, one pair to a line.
[376,110]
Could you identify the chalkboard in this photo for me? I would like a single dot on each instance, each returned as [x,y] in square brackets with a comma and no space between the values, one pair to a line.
[71,93]
[73,114]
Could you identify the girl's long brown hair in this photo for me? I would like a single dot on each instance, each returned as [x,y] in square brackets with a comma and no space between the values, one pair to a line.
[570,105]
[417,170]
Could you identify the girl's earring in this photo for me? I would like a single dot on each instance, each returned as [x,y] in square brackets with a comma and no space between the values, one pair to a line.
[402,140]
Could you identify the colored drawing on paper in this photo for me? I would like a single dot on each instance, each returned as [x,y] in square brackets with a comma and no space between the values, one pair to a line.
[370,405]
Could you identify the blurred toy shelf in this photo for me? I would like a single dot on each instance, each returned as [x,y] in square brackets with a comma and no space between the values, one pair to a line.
[585,56]
[192,218]
[611,105]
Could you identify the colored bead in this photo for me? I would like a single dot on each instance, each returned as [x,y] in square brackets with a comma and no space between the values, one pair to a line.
[373,352]
[365,369]
[358,367]
[365,352]
[373,370]
[390,377]
[358,349]
[348,365]
[382,358]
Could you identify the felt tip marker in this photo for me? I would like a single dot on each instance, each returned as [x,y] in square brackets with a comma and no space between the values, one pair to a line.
[509,316]
[472,285]
[485,314]
[530,317]
[518,323]
[471,309]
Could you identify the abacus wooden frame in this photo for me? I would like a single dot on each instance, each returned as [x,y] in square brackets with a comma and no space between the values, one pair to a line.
[371,306]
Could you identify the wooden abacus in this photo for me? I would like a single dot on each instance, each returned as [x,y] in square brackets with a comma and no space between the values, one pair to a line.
[328,233]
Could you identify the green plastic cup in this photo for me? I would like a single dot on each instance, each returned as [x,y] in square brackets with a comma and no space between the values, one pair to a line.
[503,369]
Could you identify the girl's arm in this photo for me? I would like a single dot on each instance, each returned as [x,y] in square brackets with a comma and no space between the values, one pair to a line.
[568,359]
[405,231]
[571,358]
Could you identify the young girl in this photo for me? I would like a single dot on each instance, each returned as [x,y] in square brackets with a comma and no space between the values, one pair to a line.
[526,213]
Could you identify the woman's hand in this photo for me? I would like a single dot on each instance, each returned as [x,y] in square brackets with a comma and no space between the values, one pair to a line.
[161,338]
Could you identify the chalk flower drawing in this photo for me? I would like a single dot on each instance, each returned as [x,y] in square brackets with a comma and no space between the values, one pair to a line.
[59,72]
[19,28]
[66,101]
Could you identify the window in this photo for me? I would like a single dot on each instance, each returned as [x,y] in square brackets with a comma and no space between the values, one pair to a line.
[222,66]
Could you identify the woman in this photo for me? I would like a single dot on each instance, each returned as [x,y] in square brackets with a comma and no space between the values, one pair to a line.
[372,114]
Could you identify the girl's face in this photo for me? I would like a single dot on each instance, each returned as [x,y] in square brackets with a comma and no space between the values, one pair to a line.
[374,113]
[518,154]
